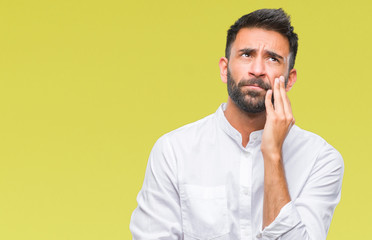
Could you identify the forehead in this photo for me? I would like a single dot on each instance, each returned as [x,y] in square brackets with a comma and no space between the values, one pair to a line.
[258,38]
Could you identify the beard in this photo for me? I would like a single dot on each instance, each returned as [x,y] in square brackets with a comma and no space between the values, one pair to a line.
[249,101]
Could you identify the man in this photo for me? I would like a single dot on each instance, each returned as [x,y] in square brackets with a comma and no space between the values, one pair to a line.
[246,171]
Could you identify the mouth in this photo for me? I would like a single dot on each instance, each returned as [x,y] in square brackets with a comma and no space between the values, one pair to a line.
[254,87]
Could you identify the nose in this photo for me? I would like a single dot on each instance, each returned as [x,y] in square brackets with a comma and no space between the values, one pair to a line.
[257,68]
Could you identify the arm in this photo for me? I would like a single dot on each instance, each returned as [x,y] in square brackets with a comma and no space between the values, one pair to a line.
[278,122]
[158,215]
[309,215]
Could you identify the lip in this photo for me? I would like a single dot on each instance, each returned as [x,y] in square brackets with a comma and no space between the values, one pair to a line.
[253,87]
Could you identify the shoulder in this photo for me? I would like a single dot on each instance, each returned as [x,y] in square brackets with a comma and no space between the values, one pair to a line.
[175,145]
[305,139]
[191,131]
[311,144]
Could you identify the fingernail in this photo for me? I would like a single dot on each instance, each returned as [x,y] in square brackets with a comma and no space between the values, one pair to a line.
[276,80]
[281,78]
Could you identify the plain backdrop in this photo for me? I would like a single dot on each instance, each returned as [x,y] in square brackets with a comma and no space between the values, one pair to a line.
[87,87]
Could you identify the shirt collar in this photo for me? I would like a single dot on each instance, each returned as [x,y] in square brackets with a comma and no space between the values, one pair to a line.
[232,132]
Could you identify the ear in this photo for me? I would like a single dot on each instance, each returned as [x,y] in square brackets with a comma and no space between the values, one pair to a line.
[223,63]
[292,78]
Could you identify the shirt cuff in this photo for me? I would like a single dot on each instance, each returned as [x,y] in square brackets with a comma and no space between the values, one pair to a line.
[287,219]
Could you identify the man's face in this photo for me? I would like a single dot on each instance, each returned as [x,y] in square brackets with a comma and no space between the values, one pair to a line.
[257,57]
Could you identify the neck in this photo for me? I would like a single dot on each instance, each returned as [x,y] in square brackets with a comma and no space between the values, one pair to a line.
[244,122]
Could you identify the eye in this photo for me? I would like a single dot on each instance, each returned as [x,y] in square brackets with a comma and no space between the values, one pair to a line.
[246,55]
[273,59]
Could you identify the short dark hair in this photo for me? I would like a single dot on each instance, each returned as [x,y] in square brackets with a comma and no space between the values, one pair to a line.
[269,19]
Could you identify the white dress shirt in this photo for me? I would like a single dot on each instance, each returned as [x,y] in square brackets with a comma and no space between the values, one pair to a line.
[201,183]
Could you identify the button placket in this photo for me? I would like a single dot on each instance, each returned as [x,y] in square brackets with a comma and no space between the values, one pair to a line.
[245,193]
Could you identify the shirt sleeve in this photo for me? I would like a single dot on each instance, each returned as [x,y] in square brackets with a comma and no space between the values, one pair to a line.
[158,214]
[309,216]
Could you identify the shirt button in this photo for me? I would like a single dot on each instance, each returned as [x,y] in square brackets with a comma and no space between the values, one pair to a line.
[246,192]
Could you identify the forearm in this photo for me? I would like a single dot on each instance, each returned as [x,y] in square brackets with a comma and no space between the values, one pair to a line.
[287,226]
[276,193]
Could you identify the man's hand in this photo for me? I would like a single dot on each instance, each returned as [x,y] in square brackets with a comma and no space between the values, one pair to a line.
[279,120]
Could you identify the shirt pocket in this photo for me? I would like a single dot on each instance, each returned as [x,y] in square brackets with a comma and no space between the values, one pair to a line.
[204,212]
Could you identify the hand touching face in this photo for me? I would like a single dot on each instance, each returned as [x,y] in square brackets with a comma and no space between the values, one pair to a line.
[279,120]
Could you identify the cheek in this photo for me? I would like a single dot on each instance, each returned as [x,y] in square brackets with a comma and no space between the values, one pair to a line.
[272,78]
[272,83]
[276,73]
[237,70]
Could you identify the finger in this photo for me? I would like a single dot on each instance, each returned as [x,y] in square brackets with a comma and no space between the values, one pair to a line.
[268,103]
[288,108]
[278,102]
[291,125]
[286,103]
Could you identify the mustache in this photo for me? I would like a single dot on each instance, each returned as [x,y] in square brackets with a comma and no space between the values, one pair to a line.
[254,81]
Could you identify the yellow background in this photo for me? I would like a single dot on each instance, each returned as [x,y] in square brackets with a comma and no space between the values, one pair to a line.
[86,88]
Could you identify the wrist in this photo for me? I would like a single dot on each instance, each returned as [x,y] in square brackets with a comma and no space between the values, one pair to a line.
[272,156]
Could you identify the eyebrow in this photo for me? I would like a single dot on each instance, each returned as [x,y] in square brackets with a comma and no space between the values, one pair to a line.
[268,52]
